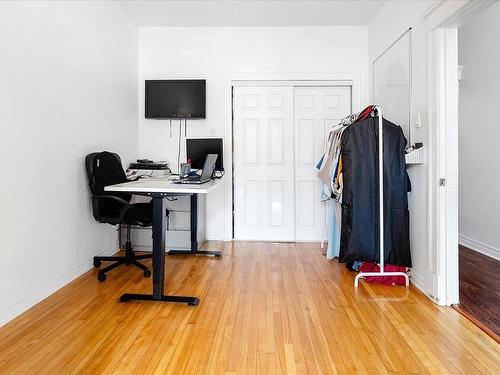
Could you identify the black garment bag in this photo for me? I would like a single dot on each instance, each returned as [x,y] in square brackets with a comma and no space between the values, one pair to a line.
[360,200]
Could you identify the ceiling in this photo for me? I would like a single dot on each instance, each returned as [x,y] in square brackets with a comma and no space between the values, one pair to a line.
[251,12]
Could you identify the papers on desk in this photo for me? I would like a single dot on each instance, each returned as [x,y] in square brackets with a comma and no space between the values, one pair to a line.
[133,174]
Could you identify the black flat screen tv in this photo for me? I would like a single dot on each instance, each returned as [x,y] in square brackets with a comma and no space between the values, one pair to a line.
[175,99]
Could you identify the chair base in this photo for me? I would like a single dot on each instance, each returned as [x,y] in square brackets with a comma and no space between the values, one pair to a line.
[129,258]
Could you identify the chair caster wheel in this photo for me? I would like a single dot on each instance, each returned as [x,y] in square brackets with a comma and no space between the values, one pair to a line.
[147,273]
[97,263]
[101,277]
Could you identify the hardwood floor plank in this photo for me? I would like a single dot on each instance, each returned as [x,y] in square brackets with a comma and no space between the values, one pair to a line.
[265,308]
[480,288]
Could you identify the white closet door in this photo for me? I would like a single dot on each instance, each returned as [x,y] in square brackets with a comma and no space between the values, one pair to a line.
[264,184]
[316,110]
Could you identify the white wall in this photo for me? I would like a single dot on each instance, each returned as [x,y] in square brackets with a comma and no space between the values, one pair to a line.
[223,13]
[212,53]
[479,132]
[68,86]
[394,18]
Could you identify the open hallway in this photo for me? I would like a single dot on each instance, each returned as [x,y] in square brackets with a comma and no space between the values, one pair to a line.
[265,308]
[480,289]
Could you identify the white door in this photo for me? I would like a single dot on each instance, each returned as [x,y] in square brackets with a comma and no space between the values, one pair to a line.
[279,135]
[263,132]
[316,110]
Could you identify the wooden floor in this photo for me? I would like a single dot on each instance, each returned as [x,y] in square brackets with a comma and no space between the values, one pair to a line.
[480,288]
[265,308]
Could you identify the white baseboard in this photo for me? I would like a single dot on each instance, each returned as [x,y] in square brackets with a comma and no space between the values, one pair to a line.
[418,282]
[25,303]
[479,246]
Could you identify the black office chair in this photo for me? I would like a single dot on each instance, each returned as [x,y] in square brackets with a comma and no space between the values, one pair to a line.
[103,169]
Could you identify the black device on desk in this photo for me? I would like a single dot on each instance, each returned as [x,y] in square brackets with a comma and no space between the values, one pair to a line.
[197,150]
[206,173]
[148,164]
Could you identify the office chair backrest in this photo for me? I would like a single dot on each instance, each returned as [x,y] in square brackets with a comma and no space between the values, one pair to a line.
[103,169]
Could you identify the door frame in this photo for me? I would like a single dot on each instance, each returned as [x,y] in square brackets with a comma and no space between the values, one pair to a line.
[442,27]
[358,96]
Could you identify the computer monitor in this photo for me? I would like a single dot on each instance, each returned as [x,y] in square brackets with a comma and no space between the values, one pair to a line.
[197,150]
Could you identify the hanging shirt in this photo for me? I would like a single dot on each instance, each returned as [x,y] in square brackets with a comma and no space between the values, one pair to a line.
[329,171]
[334,227]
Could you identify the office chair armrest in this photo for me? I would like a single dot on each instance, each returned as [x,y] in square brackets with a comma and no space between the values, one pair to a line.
[126,205]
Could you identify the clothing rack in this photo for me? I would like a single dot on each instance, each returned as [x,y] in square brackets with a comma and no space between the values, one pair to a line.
[381,209]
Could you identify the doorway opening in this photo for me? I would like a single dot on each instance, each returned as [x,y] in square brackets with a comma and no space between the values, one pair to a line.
[479,169]
[460,90]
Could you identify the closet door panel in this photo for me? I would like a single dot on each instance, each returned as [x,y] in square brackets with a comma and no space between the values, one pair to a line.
[251,134]
[306,209]
[336,104]
[252,203]
[306,141]
[316,110]
[275,141]
[277,202]
[264,187]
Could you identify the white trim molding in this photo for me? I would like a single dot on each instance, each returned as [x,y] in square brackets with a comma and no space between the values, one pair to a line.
[432,8]
[358,94]
[451,14]
[418,281]
[442,24]
[443,169]
[479,246]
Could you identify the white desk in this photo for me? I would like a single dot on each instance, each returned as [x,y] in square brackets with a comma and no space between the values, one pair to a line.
[151,186]
[158,190]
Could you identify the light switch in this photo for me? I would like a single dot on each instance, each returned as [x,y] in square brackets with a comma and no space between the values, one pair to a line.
[418,123]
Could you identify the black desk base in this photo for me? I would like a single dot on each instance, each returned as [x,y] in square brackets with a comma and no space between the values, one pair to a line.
[191,301]
[194,235]
[214,253]
[159,260]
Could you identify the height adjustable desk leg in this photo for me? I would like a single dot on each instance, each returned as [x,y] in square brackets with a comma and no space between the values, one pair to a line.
[159,261]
